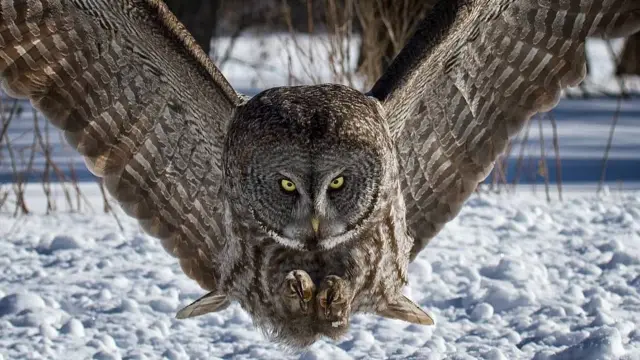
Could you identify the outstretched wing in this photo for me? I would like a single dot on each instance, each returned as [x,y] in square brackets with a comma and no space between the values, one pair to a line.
[139,99]
[471,76]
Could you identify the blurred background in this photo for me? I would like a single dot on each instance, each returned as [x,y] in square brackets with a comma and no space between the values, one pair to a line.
[592,139]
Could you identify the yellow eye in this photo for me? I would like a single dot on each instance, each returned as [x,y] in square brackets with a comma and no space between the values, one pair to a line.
[288,185]
[337,183]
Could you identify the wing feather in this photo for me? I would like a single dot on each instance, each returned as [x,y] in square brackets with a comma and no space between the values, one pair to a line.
[470,78]
[136,96]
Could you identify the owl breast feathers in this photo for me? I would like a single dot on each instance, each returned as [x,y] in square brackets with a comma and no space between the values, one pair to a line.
[304,204]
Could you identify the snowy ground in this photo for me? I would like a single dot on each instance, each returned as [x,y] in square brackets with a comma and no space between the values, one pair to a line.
[512,277]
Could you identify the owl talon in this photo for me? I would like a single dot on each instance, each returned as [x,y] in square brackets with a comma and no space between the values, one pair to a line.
[300,287]
[333,300]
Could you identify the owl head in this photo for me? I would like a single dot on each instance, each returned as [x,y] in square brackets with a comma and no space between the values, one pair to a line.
[312,163]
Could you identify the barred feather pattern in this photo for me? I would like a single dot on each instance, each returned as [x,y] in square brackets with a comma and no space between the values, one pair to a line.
[470,78]
[118,77]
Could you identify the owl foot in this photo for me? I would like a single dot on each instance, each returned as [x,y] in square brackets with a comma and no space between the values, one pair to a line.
[299,289]
[333,301]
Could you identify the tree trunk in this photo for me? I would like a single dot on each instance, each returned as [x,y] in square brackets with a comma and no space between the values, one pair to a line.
[199,17]
[386,27]
[630,59]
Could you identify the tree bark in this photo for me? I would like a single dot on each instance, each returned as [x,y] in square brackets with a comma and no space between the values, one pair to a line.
[630,59]
[386,27]
[199,17]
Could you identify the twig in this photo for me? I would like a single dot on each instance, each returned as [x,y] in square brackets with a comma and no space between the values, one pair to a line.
[616,61]
[5,124]
[520,161]
[605,157]
[80,196]
[18,181]
[542,169]
[107,204]
[232,43]
[556,148]
[4,195]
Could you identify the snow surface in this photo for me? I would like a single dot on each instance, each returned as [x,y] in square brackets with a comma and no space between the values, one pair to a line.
[512,277]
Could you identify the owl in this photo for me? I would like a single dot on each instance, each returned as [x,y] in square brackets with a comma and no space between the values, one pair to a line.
[303,204]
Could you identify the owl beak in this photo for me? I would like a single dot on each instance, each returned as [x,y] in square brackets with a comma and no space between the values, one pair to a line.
[315,224]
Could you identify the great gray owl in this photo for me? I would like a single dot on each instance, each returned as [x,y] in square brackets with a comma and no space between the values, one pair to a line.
[304,204]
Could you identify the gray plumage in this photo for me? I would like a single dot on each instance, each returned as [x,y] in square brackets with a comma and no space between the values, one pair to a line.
[304,204]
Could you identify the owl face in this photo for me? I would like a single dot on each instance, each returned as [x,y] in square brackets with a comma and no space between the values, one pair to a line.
[309,167]
[312,197]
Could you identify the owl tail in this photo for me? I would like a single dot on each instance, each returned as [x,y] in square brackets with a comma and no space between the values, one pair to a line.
[406,310]
[210,302]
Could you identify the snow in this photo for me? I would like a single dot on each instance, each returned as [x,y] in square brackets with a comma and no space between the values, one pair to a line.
[603,342]
[562,283]
[482,311]
[14,303]
[60,242]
